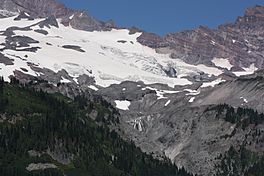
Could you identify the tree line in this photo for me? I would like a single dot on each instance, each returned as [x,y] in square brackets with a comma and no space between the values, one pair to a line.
[55,123]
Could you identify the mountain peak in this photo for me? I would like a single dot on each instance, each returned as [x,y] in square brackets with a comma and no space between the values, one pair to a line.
[37,8]
[253,15]
[257,11]
[46,8]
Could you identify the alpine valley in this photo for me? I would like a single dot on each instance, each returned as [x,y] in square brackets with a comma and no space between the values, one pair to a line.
[83,97]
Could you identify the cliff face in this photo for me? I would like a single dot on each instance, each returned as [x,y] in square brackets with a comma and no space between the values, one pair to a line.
[239,42]
[45,8]
[37,8]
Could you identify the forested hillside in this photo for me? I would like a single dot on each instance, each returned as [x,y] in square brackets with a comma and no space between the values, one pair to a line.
[240,160]
[48,134]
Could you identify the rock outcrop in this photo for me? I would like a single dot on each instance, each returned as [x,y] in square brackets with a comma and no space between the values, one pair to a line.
[46,8]
[240,42]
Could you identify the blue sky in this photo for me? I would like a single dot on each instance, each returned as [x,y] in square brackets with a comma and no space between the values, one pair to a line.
[164,16]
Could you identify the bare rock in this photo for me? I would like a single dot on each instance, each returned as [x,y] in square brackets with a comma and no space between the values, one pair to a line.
[5,60]
[40,166]
[74,47]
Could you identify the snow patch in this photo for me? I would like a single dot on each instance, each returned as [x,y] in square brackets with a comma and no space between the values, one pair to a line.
[213,83]
[192,99]
[76,80]
[170,91]
[123,105]
[209,70]
[160,93]
[213,42]
[244,99]
[250,70]
[71,17]
[93,87]
[27,14]
[192,92]
[222,62]
[167,103]
[64,80]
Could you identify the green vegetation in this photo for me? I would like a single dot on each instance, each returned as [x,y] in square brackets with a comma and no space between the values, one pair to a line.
[37,121]
[241,162]
[256,169]
[241,116]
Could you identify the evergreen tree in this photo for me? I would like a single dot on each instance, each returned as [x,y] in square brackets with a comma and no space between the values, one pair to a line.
[55,123]
[1,85]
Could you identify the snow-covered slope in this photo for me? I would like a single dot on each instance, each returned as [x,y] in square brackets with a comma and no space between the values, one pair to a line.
[110,56]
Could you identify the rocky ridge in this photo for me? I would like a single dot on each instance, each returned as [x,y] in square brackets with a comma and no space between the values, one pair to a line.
[46,8]
[239,42]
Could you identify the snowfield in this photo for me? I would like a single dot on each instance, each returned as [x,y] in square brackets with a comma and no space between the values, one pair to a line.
[104,58]
[100,55]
